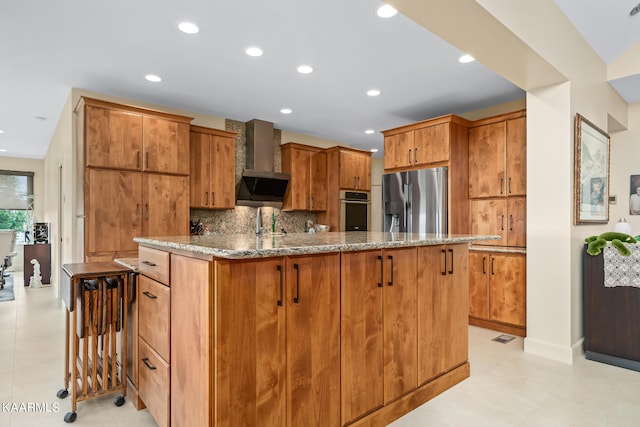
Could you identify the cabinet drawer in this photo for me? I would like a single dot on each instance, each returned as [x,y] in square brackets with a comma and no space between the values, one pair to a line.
[154,315]
[154,383]
[154,263]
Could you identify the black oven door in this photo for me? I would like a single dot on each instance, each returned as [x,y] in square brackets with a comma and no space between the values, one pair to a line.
[356,216]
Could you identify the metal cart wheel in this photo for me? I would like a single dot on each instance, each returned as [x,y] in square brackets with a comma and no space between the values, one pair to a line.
[62,393]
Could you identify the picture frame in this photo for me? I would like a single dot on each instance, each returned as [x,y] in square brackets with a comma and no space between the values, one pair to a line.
[591,183]
[634,195]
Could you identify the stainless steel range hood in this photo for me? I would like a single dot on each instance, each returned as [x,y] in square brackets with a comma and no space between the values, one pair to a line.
[260,185]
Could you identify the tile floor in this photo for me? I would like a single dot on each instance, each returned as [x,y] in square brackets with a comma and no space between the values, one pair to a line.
[507,387]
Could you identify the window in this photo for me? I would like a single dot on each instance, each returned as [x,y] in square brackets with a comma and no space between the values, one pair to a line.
[16,203]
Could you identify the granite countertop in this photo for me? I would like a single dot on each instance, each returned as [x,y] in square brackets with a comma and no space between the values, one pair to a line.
[239,246]
[131,263]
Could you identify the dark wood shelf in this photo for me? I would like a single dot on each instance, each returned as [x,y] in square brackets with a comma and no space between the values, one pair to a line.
[41,252]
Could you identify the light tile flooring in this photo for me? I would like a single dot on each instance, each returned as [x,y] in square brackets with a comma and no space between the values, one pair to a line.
[507,387]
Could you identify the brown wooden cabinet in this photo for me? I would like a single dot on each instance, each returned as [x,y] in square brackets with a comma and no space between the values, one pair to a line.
[497,192]
[355,170]
[213,164]
[307,189]
[504,217]
[497,290]
[153,304]
[135,166]
[379,328]
[131,138]
[421,144]
[286,341]
[443,309]
[497,157]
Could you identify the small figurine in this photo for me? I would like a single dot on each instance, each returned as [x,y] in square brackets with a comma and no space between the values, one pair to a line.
[36,279]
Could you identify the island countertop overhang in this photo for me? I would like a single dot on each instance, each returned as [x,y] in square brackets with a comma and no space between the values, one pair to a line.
[247,246]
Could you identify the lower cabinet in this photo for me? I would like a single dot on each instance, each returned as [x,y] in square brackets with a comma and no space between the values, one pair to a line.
[153,301]
[497,291]
[335,339]
[442,312]
[278,342]
[379,327]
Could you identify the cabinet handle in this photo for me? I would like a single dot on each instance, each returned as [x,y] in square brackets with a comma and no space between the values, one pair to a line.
[354,182]
[146,160]
[409,157]
[296,299]
[313,202]
[493,270]
[444,255]
[415,155]
[138,159]
[359,187]
[381,272]
[149,294]
[484,265]
[146,210]
[510,222]
[391,282]
[149,263]
[206,198]
[509,185]
[501,185]
[280,271]
[213,198]
[451,252]
[502,223]
[137,211]
[149,365]
[308,204]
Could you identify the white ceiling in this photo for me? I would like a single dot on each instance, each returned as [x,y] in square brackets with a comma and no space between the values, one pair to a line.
[49,47]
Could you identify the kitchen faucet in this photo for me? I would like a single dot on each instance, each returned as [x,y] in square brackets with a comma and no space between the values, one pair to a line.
[259,222]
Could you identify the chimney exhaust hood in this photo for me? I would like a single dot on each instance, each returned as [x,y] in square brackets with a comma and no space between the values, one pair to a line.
[260,185]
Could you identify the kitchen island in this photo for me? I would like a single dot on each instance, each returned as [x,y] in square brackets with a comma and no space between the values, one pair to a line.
[323,329]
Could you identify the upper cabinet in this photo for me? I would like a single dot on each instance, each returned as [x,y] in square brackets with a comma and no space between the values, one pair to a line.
[355,169]
[213,163]
[497,157]
[421,144]
[131,138]
[307,189]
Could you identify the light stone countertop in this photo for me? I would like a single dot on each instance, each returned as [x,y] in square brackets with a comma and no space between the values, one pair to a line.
[241,246]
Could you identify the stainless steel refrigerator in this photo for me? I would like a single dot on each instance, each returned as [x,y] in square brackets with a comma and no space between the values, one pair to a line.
[415,201]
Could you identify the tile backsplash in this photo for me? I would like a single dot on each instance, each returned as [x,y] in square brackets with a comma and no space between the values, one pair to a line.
[242,219]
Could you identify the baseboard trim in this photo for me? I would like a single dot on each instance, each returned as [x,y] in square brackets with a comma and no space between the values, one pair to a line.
[549,350]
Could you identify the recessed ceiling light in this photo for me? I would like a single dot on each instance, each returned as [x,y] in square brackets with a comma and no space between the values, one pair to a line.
[153,78]
[3,150]
[374,150]
[635,10]
[305,69]
[465,59]
[286,111]
[253,51]
[386,11]
[188,27]
[369,131]
[1,131]
[373,92]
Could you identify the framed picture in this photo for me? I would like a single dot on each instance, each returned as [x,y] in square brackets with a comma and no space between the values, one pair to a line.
[591,186]
[634,196]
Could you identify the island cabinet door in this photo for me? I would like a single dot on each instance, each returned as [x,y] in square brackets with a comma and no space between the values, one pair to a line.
[442,309]
[400,322]
[362,381]
[313,340]
[250,357]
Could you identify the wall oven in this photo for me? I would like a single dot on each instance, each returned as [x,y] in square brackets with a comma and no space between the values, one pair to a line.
[355,211]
